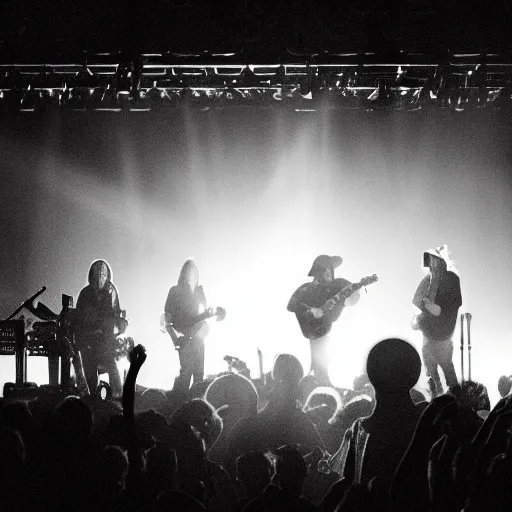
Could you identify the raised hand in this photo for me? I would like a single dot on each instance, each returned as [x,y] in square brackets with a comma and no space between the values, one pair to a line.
[221,314]
[432,308]
[331,303]
[316,312]
[137,356]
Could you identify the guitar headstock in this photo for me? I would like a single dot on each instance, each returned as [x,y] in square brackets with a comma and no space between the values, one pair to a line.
[365,281]
[220,313]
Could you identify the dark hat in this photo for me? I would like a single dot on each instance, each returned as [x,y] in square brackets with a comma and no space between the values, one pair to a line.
[323,262]
[439,252]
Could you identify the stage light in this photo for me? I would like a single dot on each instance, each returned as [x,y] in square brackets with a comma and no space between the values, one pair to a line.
[380,95]
[95,98]
[47,79]
[83,78]
[127,85]
[104,99]
[248,78]
[123,79]
[28,100]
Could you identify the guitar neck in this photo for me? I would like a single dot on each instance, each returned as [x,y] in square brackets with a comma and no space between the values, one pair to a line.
[205,315]
[343,294]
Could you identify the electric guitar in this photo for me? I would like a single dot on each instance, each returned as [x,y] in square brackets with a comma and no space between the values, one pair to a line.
[424,300]
[313,328]
[199,329]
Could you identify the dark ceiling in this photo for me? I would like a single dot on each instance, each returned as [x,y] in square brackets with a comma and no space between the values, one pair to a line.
[255,30]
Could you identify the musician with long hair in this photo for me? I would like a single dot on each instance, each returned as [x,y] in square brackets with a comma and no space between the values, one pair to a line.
[97,323]
[438,299]
[185,315]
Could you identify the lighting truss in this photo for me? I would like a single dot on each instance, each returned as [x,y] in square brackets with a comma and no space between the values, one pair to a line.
[351,81]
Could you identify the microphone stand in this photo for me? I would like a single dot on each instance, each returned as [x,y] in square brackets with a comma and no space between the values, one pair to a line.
[462,346]
[468,320]
[28,301]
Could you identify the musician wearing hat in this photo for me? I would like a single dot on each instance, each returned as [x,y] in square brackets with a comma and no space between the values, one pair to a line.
[438,299]
[316,307]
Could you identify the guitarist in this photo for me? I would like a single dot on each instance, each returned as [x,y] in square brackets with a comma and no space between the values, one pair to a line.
[438,298]
[185,313]
[98,319]
[307,301]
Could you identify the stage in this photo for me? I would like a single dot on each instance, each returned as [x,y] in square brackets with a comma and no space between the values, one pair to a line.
[254,195]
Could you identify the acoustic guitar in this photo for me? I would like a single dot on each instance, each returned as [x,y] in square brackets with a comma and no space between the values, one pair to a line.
[313,328]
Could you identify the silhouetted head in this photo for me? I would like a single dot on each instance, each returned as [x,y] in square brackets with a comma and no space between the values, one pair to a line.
[162,464]
[393,365]
[287,369]
[360,381]
[359,407]
[306,385]
[151,398]
[12,450]
[202,417]
[323,267]
[504,385]
[254,471]
[73,417]
[236,392]
[474,396]
[189,275]
[99,274]
[16,415]
[291,469]
[198,389]
[114,465]
[188,446]
[323,402]
[151,426]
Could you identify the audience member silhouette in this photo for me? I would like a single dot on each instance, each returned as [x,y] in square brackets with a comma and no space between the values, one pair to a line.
[254,473]
[321,407]
[394,456]
[234,397]
[286,493]
[504,385]
[374,445]
[281,422]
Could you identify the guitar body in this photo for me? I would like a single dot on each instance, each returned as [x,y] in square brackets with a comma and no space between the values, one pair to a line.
[422,320]
[313,328]
[331,306]
[199,330]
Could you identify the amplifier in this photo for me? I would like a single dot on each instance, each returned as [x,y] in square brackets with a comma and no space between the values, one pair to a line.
[11,336]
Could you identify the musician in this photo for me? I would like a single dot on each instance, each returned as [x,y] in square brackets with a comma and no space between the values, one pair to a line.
[438,297]
[98,321]
[185,314]
[306,303]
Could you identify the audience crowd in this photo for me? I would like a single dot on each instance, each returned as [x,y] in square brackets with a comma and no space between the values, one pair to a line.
[383,446]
